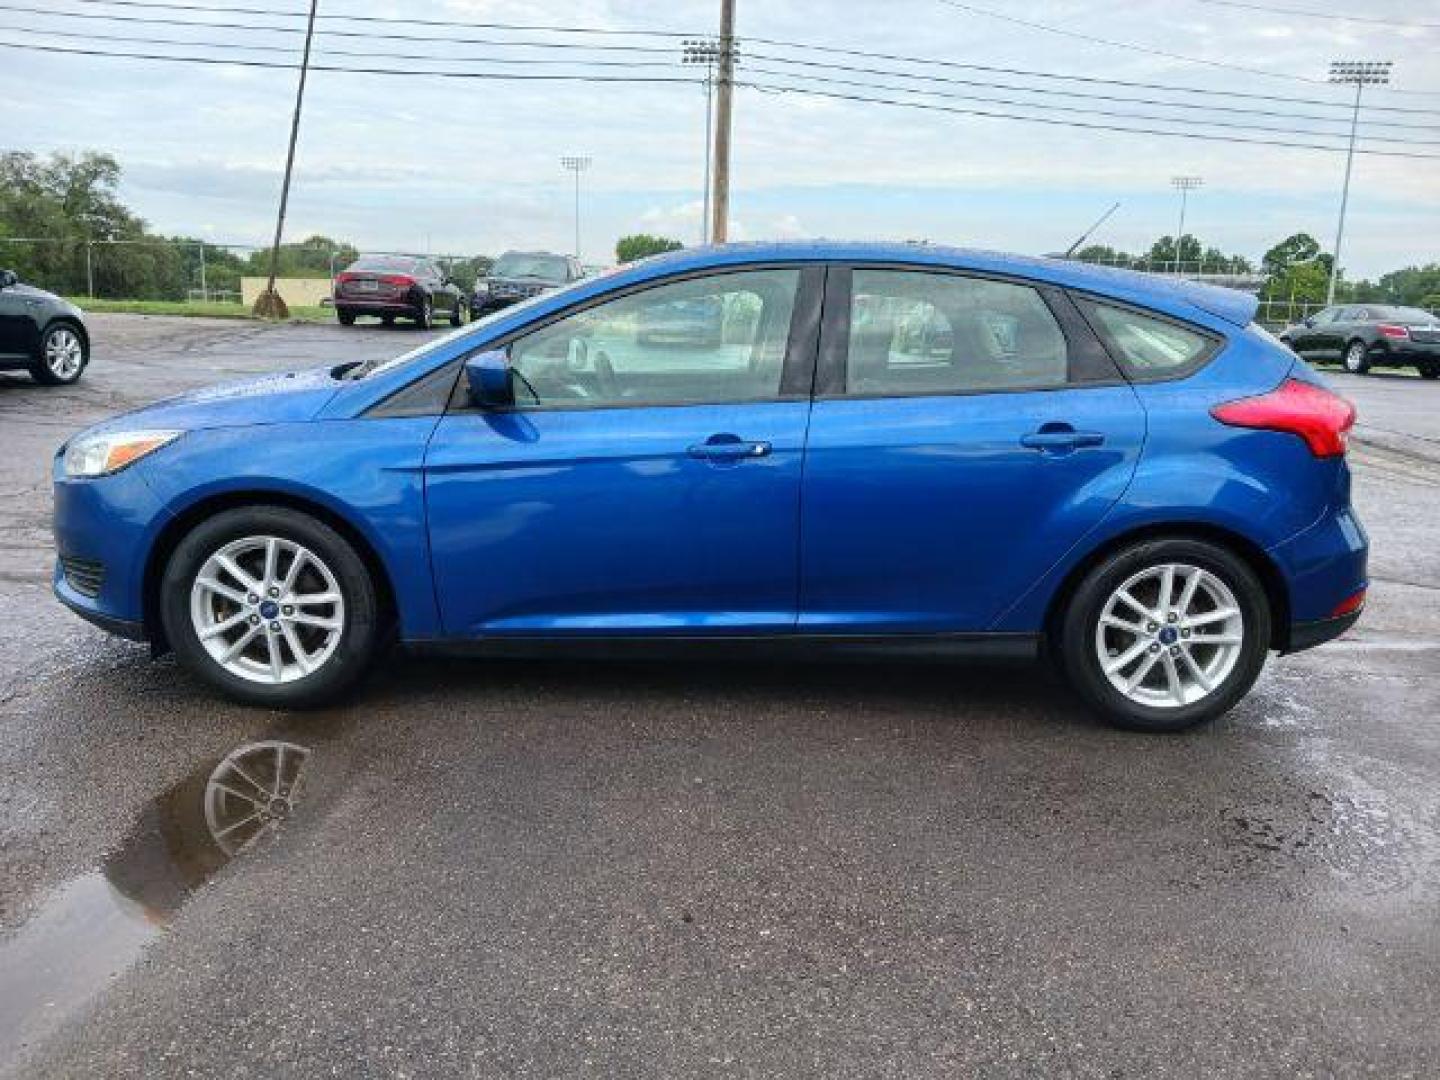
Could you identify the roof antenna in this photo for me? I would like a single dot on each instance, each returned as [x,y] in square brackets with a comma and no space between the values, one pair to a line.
[1086,234]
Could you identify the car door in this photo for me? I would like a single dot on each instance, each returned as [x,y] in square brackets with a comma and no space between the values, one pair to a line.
[1333,335]
[17,325]
[635,488]
[966,432]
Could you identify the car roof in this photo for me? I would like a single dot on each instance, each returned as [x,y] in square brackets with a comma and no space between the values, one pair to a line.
[1149,290]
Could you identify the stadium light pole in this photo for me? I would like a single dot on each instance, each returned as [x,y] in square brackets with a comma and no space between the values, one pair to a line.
[577,165]
[700,51]
[1357,73]
[1185,185]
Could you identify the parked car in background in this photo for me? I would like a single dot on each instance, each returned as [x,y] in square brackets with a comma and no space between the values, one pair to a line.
[1362,336]
[1132,478]
[699,321]
[397,286]
[519,275]
[41,333]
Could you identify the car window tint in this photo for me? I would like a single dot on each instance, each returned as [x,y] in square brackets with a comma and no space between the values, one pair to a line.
[713,339]
[1146,345]
[913,332]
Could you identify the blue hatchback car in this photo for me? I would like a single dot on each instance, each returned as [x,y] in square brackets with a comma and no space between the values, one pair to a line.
[872,449]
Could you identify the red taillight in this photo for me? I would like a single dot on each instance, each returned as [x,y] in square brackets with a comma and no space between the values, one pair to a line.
[1390,330]
[1349,605]
[398,279]
[1320,417]
[341,278]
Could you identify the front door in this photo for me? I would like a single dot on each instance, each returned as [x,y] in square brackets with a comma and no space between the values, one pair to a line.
[648,479]
[954,455]
[17,328]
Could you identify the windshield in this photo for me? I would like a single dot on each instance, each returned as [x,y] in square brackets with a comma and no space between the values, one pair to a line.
[368,368]
[383,264]
[514,264]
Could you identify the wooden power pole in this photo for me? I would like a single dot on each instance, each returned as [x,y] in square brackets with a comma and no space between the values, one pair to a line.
[268,304]
[725,91]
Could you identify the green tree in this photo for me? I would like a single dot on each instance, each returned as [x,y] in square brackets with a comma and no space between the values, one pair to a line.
[640,245]
[1299,248]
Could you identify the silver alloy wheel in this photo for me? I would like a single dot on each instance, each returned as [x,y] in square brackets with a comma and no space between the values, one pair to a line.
[1170,635]
[267,609]
[252,789]
[1355,358]
[64,354]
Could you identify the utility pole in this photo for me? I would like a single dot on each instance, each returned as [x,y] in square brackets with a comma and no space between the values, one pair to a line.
[204,292]
[577,165]
[707,52]
[720,208]
[268,304]
[1185,184]
[1359,73]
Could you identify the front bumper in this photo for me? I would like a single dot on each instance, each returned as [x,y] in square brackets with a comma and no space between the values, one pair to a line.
[109,523]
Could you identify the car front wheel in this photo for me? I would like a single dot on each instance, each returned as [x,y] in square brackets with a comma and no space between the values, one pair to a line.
[1166,634]
[63,356]
[271,606]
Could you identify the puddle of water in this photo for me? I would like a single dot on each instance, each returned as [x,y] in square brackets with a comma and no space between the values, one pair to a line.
[97,925]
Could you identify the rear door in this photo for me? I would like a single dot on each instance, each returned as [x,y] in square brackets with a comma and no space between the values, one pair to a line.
[966,432]
[638,487]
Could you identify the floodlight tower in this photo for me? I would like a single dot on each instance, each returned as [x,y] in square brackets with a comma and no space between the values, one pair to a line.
[1185,185]
[1360,74]
[577,165]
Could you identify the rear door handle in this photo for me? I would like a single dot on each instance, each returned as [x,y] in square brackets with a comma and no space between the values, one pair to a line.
[1066,439]
[729,449]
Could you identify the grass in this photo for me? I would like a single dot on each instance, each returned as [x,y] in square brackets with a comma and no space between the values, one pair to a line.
[193,309]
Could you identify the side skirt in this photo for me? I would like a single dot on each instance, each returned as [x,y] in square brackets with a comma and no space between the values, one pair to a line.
[803,647]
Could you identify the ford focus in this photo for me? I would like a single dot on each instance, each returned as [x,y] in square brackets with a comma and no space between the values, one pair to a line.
[873,449]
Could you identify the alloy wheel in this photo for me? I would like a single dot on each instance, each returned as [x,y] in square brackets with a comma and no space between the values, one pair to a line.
[267,609]
[1170,635]
[1355,359]
[64,355]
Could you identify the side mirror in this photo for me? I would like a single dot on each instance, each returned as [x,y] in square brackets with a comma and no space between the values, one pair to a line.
[7,278]
[487,375]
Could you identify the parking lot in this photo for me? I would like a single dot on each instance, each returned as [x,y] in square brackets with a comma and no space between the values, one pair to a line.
[552,869]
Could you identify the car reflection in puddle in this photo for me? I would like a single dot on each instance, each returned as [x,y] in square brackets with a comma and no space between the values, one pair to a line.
[95,926]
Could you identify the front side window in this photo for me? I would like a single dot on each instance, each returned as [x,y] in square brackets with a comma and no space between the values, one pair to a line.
[715,339]
[913,332]
[1147,346]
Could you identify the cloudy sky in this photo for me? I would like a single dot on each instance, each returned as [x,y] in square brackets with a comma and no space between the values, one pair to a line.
[465,165]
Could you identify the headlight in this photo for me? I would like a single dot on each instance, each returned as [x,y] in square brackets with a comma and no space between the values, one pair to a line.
[111,451]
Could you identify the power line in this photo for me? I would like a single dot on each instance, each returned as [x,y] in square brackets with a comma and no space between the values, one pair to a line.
[1090,111]
[992,114]
[823,49]
[1332,15]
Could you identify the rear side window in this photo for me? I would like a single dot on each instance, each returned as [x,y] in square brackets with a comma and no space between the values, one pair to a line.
[1147,346]
[913,332]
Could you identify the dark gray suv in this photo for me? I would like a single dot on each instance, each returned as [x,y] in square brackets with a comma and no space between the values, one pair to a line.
[519,275]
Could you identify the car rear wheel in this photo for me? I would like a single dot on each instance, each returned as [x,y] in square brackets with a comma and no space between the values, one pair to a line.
[1166,634]
[347,318]
[1430,371]
[271,606]
[1356,361]
[63,356]
[425,314]
[457,313]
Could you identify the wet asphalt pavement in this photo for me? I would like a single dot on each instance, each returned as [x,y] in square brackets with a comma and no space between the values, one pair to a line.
[732,869]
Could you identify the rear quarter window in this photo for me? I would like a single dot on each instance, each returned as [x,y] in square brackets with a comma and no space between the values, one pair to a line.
[1149,347]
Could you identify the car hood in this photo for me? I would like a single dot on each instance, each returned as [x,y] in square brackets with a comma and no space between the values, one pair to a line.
[282,398]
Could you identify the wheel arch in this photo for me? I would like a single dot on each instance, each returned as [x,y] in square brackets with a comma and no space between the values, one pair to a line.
[64,319]
[1254,556]
[181,524]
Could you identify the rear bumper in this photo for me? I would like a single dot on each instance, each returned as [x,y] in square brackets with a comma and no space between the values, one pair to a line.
[1306,635]
[1406,352]
[376,307]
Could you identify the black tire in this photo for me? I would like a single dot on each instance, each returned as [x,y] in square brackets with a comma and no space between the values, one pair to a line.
[360,635]
[1355,358]
[347,318]
[457,312]
[1429,371]
[388,320]
[1078,627]
[41,370]
[425,314]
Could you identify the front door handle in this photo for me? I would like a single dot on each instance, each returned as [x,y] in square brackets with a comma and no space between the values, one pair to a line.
[1061,437]
[728,448]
